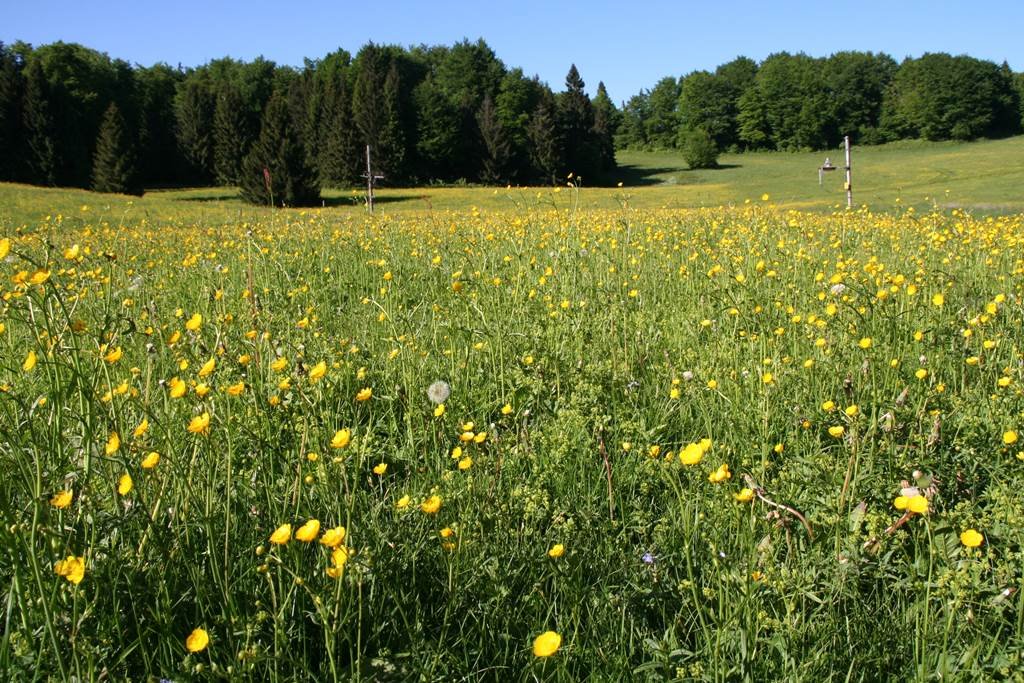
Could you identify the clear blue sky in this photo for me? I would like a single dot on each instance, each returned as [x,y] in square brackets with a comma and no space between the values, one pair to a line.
[628,45]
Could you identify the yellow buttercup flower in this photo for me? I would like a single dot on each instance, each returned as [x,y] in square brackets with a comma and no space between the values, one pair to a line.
[30,362]
[971,538]
[318,371]
[308,532]
[197,640]
[720,475]
[364,394]
[281,535]
[1009,437]
[917,504]
[341,438]
[199,424]
[744,496]
[178,388]
[431,505]
[141,429]
[208,367]
[332,538]
[113,355]
[5,247]
[62,499]
[113,444]
[235,389]
[125,484]
[403,502]
[151,460]
[836,431]
[71,568]
[194,323]
[380,468]
[556,551]
[279,364]
[546,644]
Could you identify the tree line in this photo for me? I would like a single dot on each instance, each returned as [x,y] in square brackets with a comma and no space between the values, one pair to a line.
[72,116]
[797,102]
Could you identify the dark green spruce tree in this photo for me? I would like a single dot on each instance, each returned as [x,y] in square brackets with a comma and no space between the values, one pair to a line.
[113,166]
[576,121]
[338,151]
[229,137]
[497,147]
[606,124]
[11,86]
[275,171]
[545,141]
[38,125]
[389,154]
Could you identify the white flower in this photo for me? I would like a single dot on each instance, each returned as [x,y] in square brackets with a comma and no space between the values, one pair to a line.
[837,289]
[439,391]
[687,376]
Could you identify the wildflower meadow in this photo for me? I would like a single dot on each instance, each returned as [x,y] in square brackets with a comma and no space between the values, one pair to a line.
[543,443]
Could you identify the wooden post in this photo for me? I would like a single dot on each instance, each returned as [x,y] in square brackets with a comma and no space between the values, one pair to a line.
[371,180]
[370,183]
[849,174]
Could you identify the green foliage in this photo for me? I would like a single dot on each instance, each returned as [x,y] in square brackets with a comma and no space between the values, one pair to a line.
[229,137]
[339,156]
[699,149]
[498,148]
[661,125]
[11,88]
[39,127]
[546,150]
[275,171]
[941,97]
[113,168]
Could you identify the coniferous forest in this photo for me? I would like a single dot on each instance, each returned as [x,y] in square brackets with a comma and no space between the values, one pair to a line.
[71,116]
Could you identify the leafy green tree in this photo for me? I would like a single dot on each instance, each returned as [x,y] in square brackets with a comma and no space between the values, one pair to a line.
[661,124]
[857,82]
[940,97]
[711,101]
[516,101]
[632,131]
[275,170]
[1018,84]
[699,149]
[788,105]
[113,168]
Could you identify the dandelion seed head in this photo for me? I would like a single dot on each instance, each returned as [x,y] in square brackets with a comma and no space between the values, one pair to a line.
[439,391]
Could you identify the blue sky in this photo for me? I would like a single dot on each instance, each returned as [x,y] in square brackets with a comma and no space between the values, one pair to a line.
[628,45]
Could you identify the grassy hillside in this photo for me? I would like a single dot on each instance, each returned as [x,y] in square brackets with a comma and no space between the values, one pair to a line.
[983,177]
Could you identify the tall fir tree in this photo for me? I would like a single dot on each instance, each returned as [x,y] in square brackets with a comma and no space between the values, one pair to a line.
[113,168]
[11,87]
[496,144]
[39,127]
[338,157]
[367,98]
[229,137]
[275,170]
[545,141]
[193,109]
[390,149]
[606,124]
[576,121]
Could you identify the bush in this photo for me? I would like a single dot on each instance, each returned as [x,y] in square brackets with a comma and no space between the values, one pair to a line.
[699,149]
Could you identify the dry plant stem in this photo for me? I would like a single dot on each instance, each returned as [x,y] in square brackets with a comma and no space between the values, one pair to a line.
[759,492]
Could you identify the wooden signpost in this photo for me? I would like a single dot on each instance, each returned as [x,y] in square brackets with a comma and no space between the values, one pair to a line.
[827,166]
[371,180]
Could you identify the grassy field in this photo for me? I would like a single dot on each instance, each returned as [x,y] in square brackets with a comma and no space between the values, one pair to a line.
[547,438]
[979,177]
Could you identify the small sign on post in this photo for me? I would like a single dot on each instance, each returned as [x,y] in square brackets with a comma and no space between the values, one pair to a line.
[371,180]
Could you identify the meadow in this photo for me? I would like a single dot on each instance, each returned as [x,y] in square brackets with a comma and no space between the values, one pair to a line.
[551,435]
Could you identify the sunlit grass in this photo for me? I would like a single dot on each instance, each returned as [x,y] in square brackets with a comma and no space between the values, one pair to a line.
[542,442]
